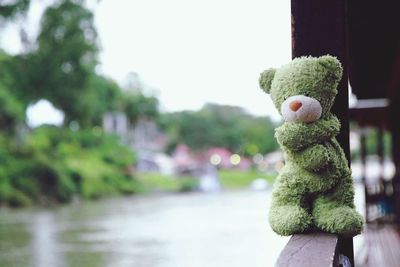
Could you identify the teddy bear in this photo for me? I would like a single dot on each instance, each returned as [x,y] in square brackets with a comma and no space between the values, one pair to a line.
[314,189]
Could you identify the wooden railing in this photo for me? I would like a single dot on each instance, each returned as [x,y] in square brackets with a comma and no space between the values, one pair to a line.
[316,249]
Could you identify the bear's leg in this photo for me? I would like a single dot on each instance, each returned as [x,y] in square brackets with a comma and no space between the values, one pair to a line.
[334,211]
[287,214]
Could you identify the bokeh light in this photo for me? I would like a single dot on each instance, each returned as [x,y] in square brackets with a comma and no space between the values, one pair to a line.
[235,159]
[215,159]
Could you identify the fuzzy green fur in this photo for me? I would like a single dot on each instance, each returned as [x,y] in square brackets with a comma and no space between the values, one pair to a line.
[314,188]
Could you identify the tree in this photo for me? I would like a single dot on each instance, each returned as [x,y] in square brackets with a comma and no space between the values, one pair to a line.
[11,109]
[101,95]
[223,126]
[61,66]
[137,105]
[9,10]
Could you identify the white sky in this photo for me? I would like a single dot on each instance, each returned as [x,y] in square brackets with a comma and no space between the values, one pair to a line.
[191,51]
[43,112]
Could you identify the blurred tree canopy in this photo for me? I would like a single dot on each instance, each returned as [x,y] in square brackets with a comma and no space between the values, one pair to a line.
[62,69]
[100,95]
[137,105]
[221,126]
[8,10]
[11,109]
[65,57]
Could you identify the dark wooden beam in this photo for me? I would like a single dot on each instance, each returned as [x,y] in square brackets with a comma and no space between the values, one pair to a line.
[394,115]
[320,28]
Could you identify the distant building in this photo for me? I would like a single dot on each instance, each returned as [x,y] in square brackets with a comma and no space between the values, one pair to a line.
[225,159]
[144,138]
[220,157]
[116,123]
[147,137]
[185,161]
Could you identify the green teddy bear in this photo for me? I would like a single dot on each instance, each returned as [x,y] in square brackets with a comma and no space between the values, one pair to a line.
[314,188]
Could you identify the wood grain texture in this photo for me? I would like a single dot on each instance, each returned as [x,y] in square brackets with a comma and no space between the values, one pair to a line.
[381,247]
[315,249]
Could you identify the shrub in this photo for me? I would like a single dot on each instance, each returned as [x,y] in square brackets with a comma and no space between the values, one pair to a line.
[57,163]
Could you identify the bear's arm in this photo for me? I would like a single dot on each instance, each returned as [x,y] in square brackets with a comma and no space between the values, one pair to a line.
[298,136]
[313,158]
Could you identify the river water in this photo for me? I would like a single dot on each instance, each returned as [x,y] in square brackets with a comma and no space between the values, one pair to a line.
[182,230]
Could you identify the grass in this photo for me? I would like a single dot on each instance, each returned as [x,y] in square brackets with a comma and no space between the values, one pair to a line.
[157,182]
[236,179]
[230,179]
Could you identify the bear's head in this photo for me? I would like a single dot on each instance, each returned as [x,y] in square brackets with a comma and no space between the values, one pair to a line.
[303,90]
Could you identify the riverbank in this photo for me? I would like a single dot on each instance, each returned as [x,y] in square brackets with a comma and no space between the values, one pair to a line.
[228,179]
[55,165]
[88,165]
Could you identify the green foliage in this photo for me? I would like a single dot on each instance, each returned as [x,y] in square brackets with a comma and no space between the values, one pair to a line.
[222,126]
[188,127]
[101,95]
[11,109]
[165,183]
[60,68]
[235,179]
[56,164]
[136,105]
[9,10]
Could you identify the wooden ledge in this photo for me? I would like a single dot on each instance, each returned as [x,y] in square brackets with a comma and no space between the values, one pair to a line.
[314,249]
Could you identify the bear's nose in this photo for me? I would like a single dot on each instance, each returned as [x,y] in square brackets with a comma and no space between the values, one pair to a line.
[295,105]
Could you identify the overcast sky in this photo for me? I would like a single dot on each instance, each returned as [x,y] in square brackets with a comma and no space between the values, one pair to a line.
[192,51]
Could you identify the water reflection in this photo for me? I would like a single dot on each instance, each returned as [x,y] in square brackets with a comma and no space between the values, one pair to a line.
[15,249]
[44,240]
[228,229]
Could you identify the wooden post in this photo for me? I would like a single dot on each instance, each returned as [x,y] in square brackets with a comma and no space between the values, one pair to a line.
[395,128]
[363,155]
[319,28]
[394,114]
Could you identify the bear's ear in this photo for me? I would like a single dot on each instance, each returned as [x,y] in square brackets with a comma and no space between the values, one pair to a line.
[266,78]
[332,64]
